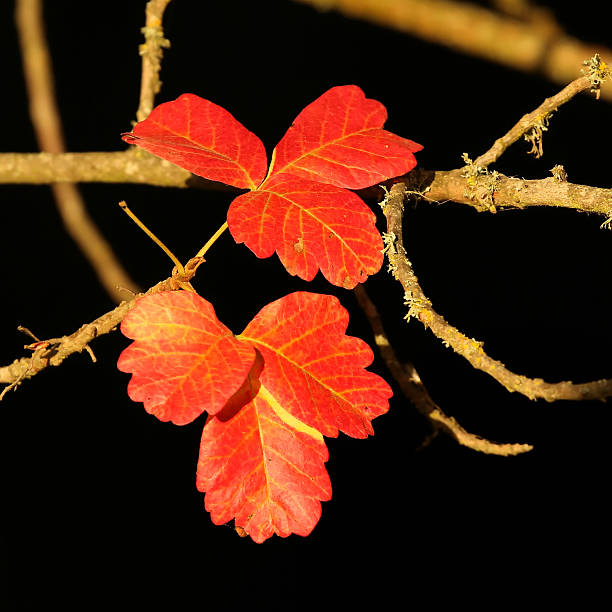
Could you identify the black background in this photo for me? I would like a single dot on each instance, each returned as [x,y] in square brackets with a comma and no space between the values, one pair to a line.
[99,499]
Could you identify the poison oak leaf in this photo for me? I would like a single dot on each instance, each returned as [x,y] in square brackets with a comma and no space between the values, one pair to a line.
[337,139]
[258,470]
[311,226]
[203,138]
[291,377]
[183,359]
[313,369]
[301,210]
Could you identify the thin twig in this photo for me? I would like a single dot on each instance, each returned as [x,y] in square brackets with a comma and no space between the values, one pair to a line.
[413,388]
[151,51]
[52,352]
[420,307]
[537,119]
[152,236]
[47,126]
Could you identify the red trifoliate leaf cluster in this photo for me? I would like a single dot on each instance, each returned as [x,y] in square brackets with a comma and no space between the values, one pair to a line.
[271,393]
[301,209]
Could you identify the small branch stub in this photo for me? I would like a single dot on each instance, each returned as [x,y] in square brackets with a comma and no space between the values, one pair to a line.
[559,173]
[597,72]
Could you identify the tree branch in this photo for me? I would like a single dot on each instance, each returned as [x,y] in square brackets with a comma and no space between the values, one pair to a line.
[132,166]
[536,121]
[47,126]
[413,388]
[420,307]
[488,192]
[151,52]
[534,43]
[475,186]
[54,351]
[440,186]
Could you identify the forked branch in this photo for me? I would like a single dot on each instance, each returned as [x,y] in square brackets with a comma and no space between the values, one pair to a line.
[421,308]
[413,388]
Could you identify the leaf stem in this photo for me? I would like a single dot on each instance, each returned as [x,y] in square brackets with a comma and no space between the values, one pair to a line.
[212,240]
[152,236]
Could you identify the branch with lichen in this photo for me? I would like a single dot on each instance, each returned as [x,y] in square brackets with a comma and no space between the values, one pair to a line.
[439,186]
[485,190]
[413,388]
[151,52]
[531,125]
[420,307]
[476,186]
[488,192]
[53,351]
[131,166]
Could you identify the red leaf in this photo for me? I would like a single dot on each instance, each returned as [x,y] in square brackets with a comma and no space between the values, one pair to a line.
[310,225]
[337,140]
[203,138]
[313,370]
[261,472]
[183,360]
